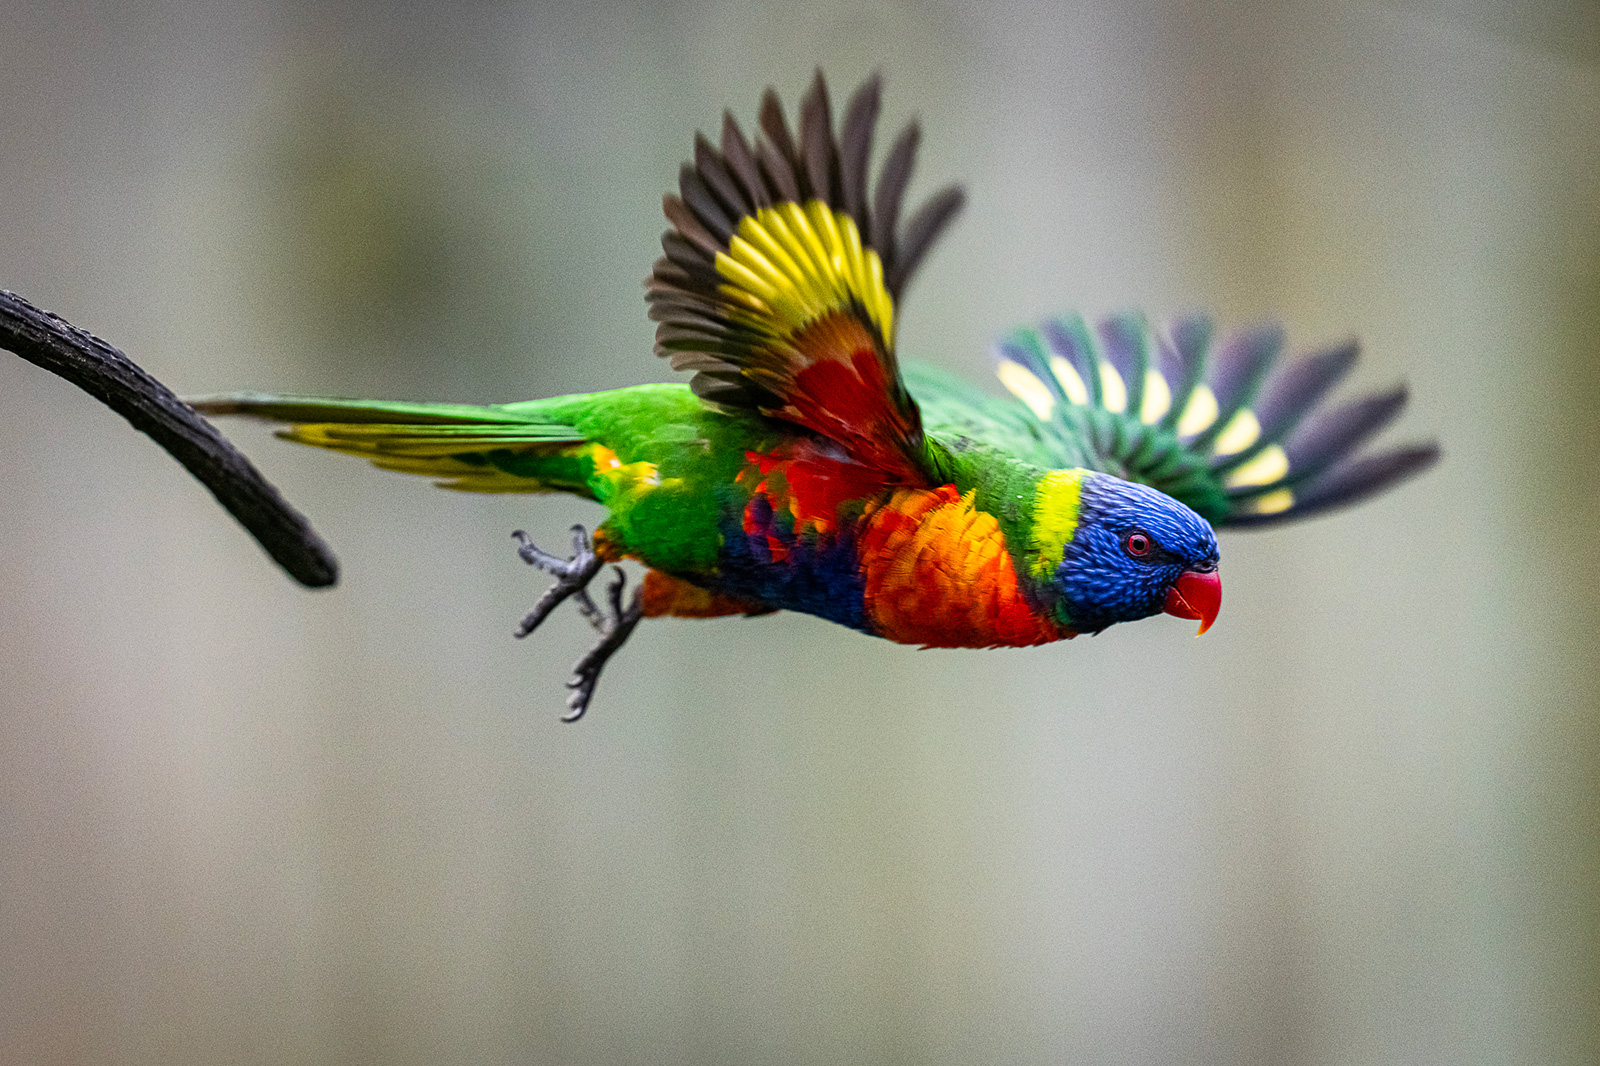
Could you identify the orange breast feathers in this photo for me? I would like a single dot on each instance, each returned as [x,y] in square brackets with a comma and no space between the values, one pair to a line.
[938,574]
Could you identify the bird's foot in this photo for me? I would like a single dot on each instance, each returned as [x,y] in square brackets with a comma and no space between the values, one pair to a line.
[614,626]
[572,577]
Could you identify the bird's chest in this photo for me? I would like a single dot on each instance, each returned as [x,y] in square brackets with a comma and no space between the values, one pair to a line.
[936,571]
[913,565]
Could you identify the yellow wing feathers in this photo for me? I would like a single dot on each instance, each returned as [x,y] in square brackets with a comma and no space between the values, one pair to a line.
[787,266]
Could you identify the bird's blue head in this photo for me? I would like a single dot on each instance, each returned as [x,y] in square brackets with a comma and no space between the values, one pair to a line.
[1132,552]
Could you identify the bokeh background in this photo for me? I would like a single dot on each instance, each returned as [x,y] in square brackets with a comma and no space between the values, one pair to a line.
[241,822]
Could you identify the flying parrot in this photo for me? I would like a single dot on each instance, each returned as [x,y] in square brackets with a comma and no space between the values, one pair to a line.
[807,467]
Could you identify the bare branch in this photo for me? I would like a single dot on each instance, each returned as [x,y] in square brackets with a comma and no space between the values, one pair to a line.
[150,407]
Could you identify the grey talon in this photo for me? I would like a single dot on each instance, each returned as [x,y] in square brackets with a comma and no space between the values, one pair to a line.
[572,578]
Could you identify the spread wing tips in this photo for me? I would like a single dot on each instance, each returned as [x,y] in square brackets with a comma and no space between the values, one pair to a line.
[741,162]
[817,149]
[725,184]
[1224,426]
[1347,483]
[892,181]
[855,148]
[719,175]
[1329,436]
[923,229]
[1317,467]
[1301,386]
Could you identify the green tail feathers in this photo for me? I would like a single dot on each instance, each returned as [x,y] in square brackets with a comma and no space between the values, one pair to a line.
[529,416]
[492,448]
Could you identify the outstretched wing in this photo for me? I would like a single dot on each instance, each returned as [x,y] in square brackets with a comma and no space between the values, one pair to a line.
[780,280]
[1220,426]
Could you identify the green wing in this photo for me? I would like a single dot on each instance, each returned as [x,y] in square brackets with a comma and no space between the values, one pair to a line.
[1219,425]
[953,408]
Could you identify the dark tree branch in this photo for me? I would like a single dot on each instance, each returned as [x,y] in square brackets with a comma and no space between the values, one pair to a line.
[112,378]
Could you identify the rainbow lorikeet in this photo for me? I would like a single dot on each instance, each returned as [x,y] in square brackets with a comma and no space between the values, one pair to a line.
[806,468]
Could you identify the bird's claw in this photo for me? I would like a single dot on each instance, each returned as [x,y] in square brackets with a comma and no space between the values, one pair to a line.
[572,577]
[614,626]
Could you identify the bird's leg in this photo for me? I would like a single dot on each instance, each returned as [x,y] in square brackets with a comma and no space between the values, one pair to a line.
[590,612]
[572,579]
[615,627]
[572,575]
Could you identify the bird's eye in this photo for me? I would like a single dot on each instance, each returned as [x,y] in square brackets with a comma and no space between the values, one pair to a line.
[1138,545]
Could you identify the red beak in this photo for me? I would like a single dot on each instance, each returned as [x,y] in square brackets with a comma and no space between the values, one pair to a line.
[1196,595]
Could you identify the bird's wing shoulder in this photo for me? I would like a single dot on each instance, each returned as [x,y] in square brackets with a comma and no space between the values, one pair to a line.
[1216,423]
[779,283]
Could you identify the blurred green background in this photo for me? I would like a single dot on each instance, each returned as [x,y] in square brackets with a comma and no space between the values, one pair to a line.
[239,822]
